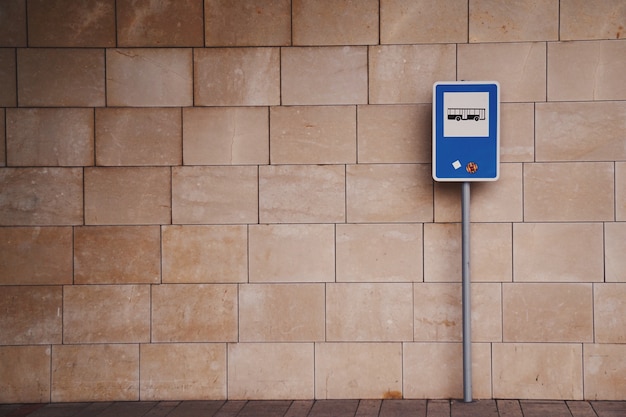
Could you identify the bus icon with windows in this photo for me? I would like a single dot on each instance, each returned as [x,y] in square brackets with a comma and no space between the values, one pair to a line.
[459,114]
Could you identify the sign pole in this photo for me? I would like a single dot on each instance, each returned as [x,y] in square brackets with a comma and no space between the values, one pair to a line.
[466,291]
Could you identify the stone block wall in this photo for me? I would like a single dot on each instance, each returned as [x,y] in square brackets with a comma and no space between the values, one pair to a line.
[209,199]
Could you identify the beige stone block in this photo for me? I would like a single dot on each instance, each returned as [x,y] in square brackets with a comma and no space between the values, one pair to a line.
[194,313]
[580,131]
[31,315]
[438,312]
[13,23]
[495,21]
[276,371]
[587,71]
[620,191]
[35,255]
[237,77]
[281,313]
[41,196]
[3,160]
[423,21]
[580,19]
[182,371]
[149,77]
[520,68]
[60,77]
[324,75]
[138,137]
[117,255]
[226,136]
[8,71]
[127,195]
[389,193]
[605,368]
[369,312]
[204,254]
[394,134]
[106,314]
[379,252]
[555,252]
[614,250]
[50,137]
[25,374]
[247,23]
[547,312]
[435,370]
[574,191]
[490,252]
[517,132]
[210,195]
[82,373]
[538,371]
[67,23]
[610,313]
[406,73]
[313,135]
[357,370]
[347,22]
[292,253]
[302,194]
[149,23]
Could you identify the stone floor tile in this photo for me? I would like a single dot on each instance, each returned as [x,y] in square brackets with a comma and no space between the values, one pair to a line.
[60,410]
[509,408]
[299,408]
[162,409]
[581,409]
[545,408]
[265,409]
[403,408]
[127,409]
[481,408]
[229,409]
[94,409]
[438,408]
[334,408]
[368,408]
[196,408]
[609,408]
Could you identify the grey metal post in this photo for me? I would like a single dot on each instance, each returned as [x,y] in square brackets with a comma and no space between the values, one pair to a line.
[466,290]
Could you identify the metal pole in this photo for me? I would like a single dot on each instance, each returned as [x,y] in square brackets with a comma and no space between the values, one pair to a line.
[466,290]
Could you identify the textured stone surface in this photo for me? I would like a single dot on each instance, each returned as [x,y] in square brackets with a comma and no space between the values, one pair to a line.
[50,137]
[609,313]
[116,196]
[204,254]
[357,370]
[604,369]
[368,312]
[149,77]
[620,191]
[225,136]
[106,314]
[41,196]
[581,19]
[183,371]
[423,21]
[101,372]
[379,252]
[247,23]
[71,24]
[117,255]
[282,313]
[540,370]
[60,77]
[324,75]
[237,77]
[406,73]
[31,315]
[302,193]
[347,22]
[194,313]
[562,257]
[215,195]
[313,135]
[149,23]
[517,132]
[13,23]
[8,71]
[138,137]
[26,374]
[614,247]
[285,369]
[35,255]
[282,253]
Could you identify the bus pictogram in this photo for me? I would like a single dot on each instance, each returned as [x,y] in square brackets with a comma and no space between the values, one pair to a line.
[459,114]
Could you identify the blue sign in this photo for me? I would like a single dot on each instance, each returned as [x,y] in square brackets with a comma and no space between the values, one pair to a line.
[466,131]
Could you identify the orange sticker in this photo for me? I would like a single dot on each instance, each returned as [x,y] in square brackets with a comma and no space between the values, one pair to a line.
[471,167]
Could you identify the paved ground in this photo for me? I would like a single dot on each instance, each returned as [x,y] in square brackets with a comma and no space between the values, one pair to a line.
[322,408]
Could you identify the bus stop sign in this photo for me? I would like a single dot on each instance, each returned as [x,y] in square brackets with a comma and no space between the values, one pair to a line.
[466,131]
